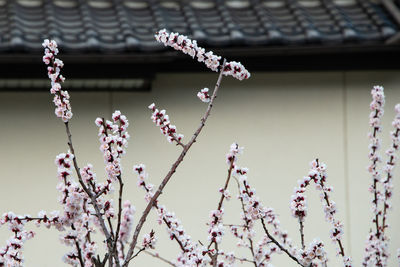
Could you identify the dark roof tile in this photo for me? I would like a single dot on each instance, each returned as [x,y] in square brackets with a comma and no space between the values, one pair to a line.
[129,25]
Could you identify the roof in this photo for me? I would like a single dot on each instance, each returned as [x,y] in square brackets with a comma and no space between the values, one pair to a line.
[113,26]
[264,34]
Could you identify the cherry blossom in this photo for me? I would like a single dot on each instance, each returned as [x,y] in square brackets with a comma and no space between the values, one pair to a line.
[187,46]
[149,240]
[127,221]
[204,96]
[314,254]
[61,98]
[161,119]
[113,137]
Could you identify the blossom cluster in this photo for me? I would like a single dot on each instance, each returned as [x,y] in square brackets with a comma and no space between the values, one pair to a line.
[149,240]
[140,170]
[254,210]
[61,98]
[376,250]
[191,253]
[314,253]
[216,228]
[203,95]
[11,254]
[160,118]
[77,212]
[113,137]
[298,203]
[127,221]
[264,251]
[187,46]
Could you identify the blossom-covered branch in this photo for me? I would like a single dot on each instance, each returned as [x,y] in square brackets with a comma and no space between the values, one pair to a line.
[253,210]
[376,249]
[216,227]
[319,175]
[392,158]
[61,97]
[376,106]
[190,47]
[173,169]
[191,253]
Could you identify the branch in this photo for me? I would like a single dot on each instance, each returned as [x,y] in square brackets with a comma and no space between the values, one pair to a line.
[278,244]
[137,253]
[246,222]
[271,237]
[155,255]
[302,233]
[173,169]
[91,196]
[121,189]
[221,201]
[388,191]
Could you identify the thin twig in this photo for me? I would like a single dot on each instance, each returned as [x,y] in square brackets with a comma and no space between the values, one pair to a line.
[156,255]
[278,244]
[137,253]
[246,222]
[302,233]
[221,201]
[168,224]
[173,169]
[242,259]
[121,189]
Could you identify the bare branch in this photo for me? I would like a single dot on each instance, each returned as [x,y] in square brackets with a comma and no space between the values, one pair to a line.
[302,233]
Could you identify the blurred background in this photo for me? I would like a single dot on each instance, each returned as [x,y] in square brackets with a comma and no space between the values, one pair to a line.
[313,63]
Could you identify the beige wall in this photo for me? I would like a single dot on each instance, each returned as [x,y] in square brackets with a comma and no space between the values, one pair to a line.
[284,120]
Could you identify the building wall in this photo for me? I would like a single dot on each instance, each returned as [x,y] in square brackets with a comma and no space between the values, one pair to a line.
[284,120]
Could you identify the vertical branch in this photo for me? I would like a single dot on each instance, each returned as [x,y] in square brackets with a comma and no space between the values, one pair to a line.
[121,189]
[78,249]
[173,169]
[320,169]
[92,198]
[246,223]
[389,166]
[302,233]
[377,104]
